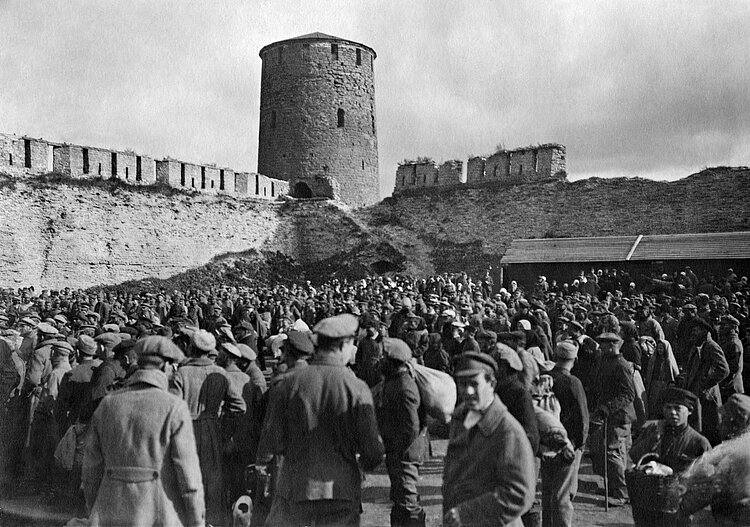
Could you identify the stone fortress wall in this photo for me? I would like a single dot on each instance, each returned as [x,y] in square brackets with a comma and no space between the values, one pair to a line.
[317,118]
[20,155]
[520,165]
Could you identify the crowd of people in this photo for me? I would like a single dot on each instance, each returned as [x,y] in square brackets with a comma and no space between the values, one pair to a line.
[167,406]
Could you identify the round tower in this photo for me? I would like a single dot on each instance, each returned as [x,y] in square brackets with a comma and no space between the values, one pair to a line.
[317,118]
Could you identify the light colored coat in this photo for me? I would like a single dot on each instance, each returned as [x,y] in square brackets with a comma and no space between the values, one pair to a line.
[141,466]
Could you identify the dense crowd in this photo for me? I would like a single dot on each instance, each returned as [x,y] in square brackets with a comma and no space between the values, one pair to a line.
[182,391]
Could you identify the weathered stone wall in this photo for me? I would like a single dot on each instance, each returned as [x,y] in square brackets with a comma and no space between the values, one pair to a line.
[21,154]
[480,221]
[544,162]
[56,236]
[418,175]
[317,115]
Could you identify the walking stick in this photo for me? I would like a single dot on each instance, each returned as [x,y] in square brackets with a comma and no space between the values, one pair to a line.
[606,479]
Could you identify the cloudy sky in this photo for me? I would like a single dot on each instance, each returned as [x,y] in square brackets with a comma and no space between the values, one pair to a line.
[637,88]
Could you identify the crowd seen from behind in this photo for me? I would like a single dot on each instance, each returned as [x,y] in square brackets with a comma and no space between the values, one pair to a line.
[179,392]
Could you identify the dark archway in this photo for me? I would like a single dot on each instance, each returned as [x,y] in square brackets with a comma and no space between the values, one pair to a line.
[303,190]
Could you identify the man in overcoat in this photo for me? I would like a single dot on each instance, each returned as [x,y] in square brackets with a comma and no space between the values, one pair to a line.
[205,388]
[320,418]
[705,368]
[140,466]
[490,474]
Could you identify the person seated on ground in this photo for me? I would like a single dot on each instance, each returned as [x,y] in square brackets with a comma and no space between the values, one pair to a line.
[675,442]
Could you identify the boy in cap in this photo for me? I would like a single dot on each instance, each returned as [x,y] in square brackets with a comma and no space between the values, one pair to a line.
[205,388]
[133,472]
[319,418]
[560,474]
[490,474]
[672,438]
[402,425]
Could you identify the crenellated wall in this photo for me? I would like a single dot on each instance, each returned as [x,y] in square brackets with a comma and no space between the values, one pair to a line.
[24,156]
[417,175]
[520,165]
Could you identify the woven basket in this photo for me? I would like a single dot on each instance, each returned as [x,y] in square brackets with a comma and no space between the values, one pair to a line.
[654,493]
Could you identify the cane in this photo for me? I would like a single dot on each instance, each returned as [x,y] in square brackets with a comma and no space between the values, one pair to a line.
[606,479]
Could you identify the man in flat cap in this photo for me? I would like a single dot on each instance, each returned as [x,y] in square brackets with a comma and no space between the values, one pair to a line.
[731,345]
[319,419]
[490,474]
[705,368]
[560,473]
[672,438]
[141,466]
[205,388]
[613,393]
[403,427]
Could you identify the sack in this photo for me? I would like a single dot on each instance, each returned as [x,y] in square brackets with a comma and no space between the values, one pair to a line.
[437,391]
[545,398]
[65,452]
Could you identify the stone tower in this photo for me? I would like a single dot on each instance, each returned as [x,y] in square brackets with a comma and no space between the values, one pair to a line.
[317,118]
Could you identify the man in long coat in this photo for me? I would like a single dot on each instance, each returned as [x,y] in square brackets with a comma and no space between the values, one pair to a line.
[205,388]
[705,368]
[140,466]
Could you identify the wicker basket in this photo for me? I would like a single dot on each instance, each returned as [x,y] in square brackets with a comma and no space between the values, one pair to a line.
[651,492]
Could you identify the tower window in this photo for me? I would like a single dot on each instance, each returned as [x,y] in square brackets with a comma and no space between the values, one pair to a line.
[203,177]
[114,164]
[359,57]
[221,180]
[273,118]
[100,169]
[363,164]
[257,185]
[85,160]
[341,117]
[335,51]
[182,174]
[10,159]
[27,153]
[127,173]
[192,182]
[138,169]
[273,188]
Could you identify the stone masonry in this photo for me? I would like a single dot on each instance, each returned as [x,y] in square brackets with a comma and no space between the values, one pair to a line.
[25,156]
[521,165]
[317,118]
[417,175]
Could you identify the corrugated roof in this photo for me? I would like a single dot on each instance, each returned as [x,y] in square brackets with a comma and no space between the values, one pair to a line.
[710,246]
[706,246]
[544,250]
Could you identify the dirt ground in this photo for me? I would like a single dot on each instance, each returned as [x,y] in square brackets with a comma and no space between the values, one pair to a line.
[589,507]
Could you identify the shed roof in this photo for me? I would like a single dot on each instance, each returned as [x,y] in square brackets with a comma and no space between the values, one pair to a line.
[705,246]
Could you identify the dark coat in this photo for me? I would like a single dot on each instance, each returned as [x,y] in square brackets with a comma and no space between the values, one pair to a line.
[517,399]
[614,391]
[677,448]
[400,418]
[490,473]
[319,418]
[574,412]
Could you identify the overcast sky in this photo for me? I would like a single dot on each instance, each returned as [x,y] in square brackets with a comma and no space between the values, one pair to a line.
[637,88]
